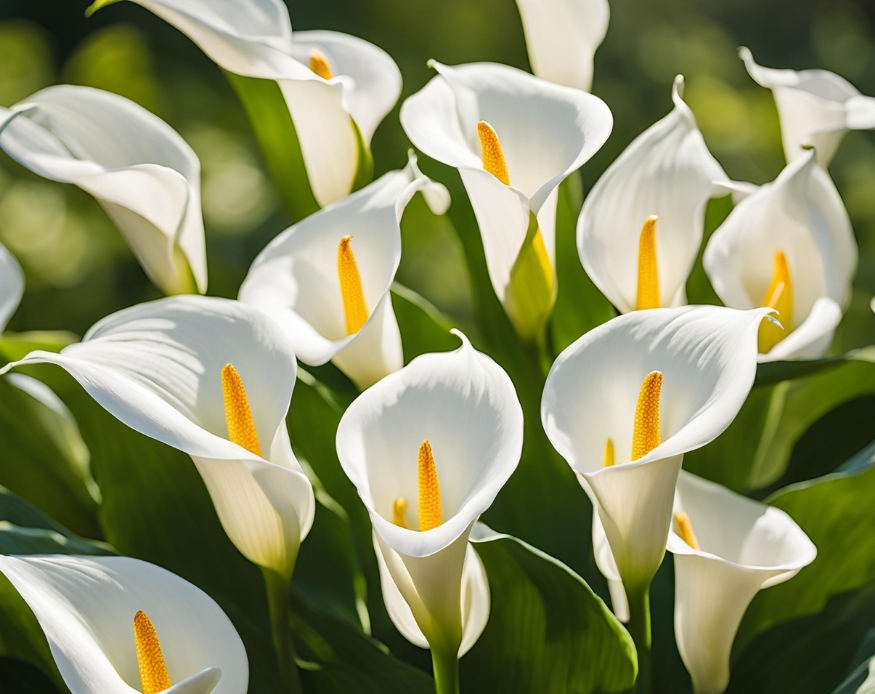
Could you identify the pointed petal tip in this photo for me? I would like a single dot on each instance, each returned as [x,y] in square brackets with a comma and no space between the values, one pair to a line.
[466,343]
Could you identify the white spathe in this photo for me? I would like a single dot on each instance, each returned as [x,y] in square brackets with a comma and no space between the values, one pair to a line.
[815,107]
[137,167]
[546,131]
[86,607]
[295,278]
[465,405]
[254,38]
[666,171]
[801,214]
[745,546]
[562,37]
[157,368]
[707,356]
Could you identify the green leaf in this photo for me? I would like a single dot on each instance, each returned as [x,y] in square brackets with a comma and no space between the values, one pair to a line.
[15,346]
[22,677]
[836,512]
[580,306]
[423,327]
[97,5]
[776,371]
[862,679]
[547,631]
[699,289]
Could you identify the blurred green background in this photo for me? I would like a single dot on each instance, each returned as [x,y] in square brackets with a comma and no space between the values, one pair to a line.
[79,269]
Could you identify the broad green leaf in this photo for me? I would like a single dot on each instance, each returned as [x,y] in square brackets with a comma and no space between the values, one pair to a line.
[776,371]
[862,679]
[836,512]
[42,455]
[22,677]
[580,306]
[15,346]
[423,327]
[547,631]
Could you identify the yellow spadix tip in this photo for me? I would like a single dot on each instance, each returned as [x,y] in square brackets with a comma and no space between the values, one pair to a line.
[429,491]
[399,507]
[648,271]
[238,416]
[779,296]
[153,671]
[645,435]
[685,529]
[354,308]
[319,64]
[493,157]
[609,453]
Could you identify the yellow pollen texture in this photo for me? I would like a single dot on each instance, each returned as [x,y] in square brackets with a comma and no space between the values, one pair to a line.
[153,671]
[399,507]
[429,491]
[354,307]
[238,416]
[778,296]
[685,529]
[648,272]
[609,453]
[645,435]
[319,64]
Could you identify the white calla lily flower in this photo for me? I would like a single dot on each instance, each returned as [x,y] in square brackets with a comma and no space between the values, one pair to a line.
[788,245]
[625,402]
[338,88]
[726,548]
[651,199]
[428,448]
[562,37]
[212,378]
[117,625]
[514,138]
[327,279]
[135,165]
[815,107]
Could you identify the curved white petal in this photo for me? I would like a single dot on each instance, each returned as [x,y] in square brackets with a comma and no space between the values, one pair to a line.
[801,214]
[666,171]
[546,132]
[254,38]
[86,607]
[745,546]
[816,107]
[157,366]
[475,602]
[562,37]
[707,356]
[812,339]
[294,279]
[11,286]
[139,169]
[604,559]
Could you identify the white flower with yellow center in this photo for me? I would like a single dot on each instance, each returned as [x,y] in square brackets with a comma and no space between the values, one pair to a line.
[726,548]
[212,378]
[338,88]
[641,226]
[428,448]
[789,246]
[562,37]
[327,279]
[816,107]
[513,138]
[135,165]
[117,626]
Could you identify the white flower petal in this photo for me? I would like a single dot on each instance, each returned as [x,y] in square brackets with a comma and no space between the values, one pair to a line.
[86,607]
[604,559]
[11,286]
[667,171]
[141,171]
[376,351]
[562,37]
[816,107]
[812,339]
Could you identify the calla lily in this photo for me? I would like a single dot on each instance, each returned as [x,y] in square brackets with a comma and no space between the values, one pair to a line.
[137,167]
[652,198]
[327,279]
[562,37]
[117,625]
[816,107]
[788,245]
[212,378]
[726,548]
[428,449]
[625,402]
[338,88]
[514,138]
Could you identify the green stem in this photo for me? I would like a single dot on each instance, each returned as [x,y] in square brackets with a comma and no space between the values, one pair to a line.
[639,628]
[446,671]
[280,622]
